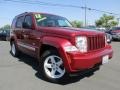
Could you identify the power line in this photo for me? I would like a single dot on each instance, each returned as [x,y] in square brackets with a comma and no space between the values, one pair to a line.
[44,3]
[60,5]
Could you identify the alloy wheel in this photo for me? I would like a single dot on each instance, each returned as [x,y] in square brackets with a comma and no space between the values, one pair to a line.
[54,67]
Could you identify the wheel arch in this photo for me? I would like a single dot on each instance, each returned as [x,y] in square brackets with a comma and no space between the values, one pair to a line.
[45,47]
[57,44]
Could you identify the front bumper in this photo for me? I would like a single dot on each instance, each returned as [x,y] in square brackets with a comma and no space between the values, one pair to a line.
[79,62]
[115,36]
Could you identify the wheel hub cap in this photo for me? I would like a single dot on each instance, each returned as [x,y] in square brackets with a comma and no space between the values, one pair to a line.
[53,66]
[13,49]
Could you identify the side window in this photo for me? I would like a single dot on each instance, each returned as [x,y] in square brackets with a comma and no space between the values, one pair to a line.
[19,22]
[28,21]
[13,23]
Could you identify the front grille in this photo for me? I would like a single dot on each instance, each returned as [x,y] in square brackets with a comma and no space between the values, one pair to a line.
[96,42]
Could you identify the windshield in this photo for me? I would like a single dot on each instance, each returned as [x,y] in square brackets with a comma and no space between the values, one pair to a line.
[116,28]
[3,32]
[46,20]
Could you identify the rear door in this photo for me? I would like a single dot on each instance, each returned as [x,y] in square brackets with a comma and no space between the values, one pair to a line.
[17,30]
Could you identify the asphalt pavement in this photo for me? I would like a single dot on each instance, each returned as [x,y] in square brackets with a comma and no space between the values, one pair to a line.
[21,74]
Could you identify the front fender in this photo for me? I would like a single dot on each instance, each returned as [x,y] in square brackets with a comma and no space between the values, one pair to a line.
[59,43]
[56,42]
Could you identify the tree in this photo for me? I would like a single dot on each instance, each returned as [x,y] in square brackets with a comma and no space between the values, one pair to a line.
[77,24]
[5,27]
[106,21]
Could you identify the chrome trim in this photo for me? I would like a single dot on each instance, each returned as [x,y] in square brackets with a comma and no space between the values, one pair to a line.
[26,46]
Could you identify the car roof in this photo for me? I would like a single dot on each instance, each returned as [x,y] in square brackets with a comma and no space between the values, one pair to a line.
[25,13]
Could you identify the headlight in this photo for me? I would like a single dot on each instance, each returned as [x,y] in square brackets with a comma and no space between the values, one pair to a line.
[81,43]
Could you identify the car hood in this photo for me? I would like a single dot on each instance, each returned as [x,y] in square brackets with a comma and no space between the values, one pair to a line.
[68,31]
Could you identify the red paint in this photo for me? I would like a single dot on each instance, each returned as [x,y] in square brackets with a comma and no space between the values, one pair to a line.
[115,31]
[59,37]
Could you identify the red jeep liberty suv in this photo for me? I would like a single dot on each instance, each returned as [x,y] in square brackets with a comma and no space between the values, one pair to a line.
[59,48]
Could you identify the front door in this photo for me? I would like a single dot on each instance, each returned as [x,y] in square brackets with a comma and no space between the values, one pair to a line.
[29,41]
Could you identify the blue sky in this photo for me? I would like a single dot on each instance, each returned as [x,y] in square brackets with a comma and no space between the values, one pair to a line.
[10,9]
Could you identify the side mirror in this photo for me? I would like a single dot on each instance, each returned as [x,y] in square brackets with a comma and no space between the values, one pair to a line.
[26,25]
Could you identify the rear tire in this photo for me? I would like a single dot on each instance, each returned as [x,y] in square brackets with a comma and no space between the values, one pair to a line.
[14,51]
[52,67]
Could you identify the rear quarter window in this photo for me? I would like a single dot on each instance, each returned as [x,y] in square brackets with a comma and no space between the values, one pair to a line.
[19,22]
[13,23]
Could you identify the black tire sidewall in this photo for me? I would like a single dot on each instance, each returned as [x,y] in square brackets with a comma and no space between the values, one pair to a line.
[16,50]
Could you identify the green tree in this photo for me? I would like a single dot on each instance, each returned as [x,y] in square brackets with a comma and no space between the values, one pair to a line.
[77,24]
[5,27]
[106,21]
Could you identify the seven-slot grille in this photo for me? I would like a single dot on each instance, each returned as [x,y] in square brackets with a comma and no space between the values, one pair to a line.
[96,42]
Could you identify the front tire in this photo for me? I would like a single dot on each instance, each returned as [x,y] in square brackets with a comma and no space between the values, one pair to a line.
[52,67]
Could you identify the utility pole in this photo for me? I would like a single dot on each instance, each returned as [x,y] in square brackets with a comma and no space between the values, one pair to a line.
[85,13]
[118,19]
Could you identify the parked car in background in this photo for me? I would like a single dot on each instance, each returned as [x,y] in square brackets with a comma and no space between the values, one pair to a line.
[115,33]
[4,35]
[101,29]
